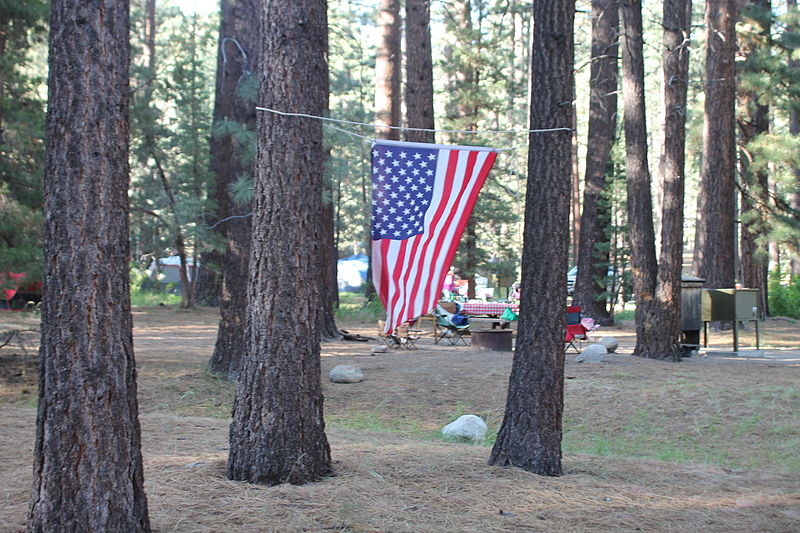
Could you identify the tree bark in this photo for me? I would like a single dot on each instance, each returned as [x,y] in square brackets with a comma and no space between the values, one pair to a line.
[715,240]
[278,432]
[753,121]
[667,311]
[530,435]
[794,129]
[328,280]
[388,80]
[388,75]
[593,249]
[419,71]
[640,204]
[87,459]
[238,57]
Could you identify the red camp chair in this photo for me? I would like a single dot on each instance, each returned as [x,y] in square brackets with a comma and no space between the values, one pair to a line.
[575,330]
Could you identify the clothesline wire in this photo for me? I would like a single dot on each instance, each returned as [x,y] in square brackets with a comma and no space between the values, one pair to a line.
[371,139]
[403,128]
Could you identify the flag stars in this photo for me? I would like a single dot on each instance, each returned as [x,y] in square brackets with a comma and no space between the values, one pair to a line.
[402,191]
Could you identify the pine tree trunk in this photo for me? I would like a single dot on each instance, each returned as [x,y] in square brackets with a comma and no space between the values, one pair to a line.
[388,78]
[388,70]
[328,281]
[419,71]
[530,435]
[794,129]
[715,240]
[593,249]
[677,28]
[236,62]
[278,433]
[640,205]
[753,121]
[87,460]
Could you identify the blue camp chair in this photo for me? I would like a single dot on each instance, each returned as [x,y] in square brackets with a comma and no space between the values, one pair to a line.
[446,329]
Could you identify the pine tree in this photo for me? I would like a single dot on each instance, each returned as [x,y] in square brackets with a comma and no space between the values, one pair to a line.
[530,435]
[87,461]
[278,432]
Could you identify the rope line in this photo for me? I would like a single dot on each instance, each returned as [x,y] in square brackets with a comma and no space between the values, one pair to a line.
[403,128]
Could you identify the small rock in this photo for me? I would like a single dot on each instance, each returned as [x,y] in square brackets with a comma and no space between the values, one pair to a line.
[194,464]
[378,349]
[346,374]
[593,353]
[468,428]
[610,343]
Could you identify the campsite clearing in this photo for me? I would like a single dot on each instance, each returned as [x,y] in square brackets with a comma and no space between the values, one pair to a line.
[706,444]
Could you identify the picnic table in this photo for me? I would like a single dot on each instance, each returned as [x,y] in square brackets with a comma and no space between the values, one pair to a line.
[487,308]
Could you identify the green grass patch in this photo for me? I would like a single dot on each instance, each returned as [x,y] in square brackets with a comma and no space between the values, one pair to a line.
[153,299]
[354,307]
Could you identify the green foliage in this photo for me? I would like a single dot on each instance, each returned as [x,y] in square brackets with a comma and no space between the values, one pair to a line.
[22,62]
[784,299]
[20,238]
[170,130]
[352,69]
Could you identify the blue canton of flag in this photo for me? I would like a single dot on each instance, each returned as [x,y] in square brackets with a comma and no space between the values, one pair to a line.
[402,189]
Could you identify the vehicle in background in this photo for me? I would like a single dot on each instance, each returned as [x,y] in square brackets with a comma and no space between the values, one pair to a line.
[572,275]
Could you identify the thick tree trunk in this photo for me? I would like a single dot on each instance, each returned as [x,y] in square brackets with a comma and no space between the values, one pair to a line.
[640,205]
[419,71]
[236,62]
[278,433]
[593,250]
[667,312]
[87,461]
[530,435]
[715,240]
[753,121]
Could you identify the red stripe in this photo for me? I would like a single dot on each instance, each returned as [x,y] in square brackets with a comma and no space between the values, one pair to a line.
[411,254]
[467,211]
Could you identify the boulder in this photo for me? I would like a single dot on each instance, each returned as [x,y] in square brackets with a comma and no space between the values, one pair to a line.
[467,428]
[594,353]
[346,374]
[610,343]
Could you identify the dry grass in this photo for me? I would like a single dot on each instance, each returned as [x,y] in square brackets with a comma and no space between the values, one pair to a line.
[727,430]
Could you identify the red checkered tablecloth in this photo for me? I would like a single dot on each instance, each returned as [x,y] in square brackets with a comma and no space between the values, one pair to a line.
[487,308]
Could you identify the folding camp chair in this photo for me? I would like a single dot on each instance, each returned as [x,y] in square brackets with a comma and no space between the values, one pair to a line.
[405,336]
[575,332]
[450,331]
[401,337]
[390,340]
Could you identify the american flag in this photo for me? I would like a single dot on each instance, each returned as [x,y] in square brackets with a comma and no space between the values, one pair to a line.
[422,197]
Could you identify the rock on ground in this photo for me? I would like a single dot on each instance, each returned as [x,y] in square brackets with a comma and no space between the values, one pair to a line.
[594,353]
[346,374]
[469,428]
[610,343]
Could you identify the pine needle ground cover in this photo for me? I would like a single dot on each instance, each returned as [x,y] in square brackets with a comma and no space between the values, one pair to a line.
[707,444]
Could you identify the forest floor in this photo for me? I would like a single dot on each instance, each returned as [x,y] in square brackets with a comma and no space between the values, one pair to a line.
[708,444]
